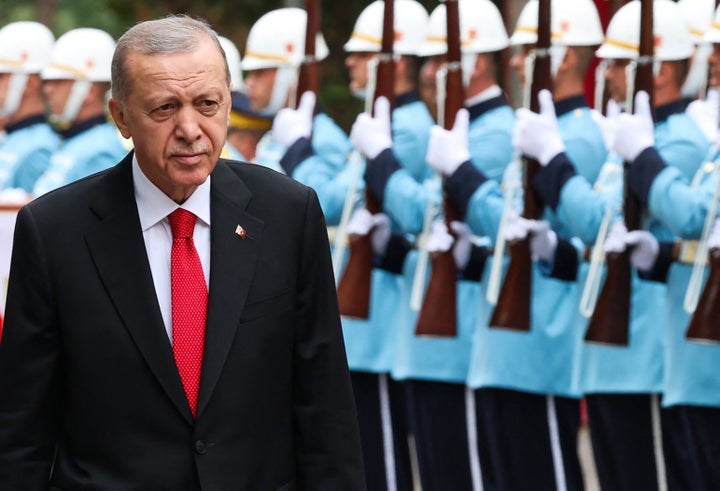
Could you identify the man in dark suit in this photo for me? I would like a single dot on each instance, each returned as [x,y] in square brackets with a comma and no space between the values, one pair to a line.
[93,393]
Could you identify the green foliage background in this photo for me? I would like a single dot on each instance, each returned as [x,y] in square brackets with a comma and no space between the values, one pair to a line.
[231,18]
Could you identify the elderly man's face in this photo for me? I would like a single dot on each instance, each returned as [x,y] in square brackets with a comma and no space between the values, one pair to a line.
[177,114]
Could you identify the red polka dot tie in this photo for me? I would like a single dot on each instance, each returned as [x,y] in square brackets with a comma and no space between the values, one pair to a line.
[189,304]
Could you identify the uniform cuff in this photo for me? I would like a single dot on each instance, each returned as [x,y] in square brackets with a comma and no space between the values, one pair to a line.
[462,184]
[378,172]
[298,152]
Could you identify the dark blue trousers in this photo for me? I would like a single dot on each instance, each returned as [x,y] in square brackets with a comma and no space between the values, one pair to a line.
[366,387]
[518,431]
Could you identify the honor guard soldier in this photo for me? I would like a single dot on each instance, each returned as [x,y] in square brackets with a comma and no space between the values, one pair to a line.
[30,141]
[389,154]
[522,394]
[689,209]
[303,144]
[622,383]
[246,127]
[435,368]
[75,83]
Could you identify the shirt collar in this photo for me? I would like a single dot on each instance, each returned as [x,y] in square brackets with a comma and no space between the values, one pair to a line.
[485,95]
[569,104]
[24,123]
[154,205]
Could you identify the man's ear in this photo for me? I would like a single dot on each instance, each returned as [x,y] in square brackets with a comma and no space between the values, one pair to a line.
[118,115]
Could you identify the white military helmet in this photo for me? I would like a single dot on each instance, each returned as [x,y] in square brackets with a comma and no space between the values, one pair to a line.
[277,40]
[698,15]
[573,23]
[712,35]
[24,50]
[409,24]
[83,55]
[481,29]
[232,55]
[671,32]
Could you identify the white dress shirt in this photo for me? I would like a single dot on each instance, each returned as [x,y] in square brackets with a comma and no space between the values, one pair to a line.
[153,207]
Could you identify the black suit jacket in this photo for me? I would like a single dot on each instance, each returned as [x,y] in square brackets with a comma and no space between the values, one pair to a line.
[90,397]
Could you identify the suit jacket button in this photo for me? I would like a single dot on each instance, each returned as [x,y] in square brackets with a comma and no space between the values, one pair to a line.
[200,447]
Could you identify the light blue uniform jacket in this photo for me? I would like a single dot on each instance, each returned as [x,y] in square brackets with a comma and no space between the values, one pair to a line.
[637,368]
[316,162]
[371,343]
[691,374]
[25,153]
[542,360]
[87,148]
[448,359]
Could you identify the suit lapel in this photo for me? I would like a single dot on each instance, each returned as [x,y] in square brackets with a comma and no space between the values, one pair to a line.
[118,249]
[232,266]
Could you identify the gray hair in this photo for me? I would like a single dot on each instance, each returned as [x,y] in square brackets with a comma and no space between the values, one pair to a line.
[169,35]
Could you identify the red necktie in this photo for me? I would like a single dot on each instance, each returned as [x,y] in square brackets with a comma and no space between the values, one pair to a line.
[189,303]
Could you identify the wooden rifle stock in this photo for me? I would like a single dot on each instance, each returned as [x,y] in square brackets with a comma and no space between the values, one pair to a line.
[610,321]
[308,77]
[438,315]
[513,307]
[705,322]
[354,285]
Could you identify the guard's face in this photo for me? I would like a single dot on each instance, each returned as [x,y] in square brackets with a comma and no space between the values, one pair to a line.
[56,94]
[4,82]
[714,67]
[356,64]
[259,85]
[517,61]
[177,114]
[427,84]
[616,79]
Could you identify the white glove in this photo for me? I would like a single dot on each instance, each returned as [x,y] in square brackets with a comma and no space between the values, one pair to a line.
[439,239]
[14,196]
[645,251]
[615,240]
[289,125]
[370,135]
[463,246]
[645,245]
[516,227]
[362,222]
[538,135]
[635,132]
[706,114]
[380,233]
[543,241]
[447,150]
[714,238]
[608,123]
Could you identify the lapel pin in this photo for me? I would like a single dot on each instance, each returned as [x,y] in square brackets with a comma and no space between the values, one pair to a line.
[240,231]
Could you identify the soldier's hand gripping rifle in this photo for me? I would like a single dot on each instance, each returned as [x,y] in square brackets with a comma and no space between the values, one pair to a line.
[610,321]
[438,314]
[354,285]
[512,310]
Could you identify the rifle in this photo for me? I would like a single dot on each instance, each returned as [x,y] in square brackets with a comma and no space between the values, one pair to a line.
[610,320]
[354,285]
[308,78]
[704,326]
[438,315]
[512,310]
